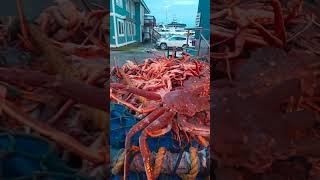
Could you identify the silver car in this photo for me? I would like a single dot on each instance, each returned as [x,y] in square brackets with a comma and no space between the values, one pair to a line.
[174,41]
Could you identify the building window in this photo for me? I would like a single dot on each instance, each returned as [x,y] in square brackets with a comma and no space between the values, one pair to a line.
[134,29]
[119,3]
[130,28]
[120,27]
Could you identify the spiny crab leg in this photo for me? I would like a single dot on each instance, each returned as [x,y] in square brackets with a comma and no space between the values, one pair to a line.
[129,82]
[130,106]
[197,129]
[224,35]
[23,26]
[268,37]
[137,127]
[24,30]
[44,129]
[162,121]
[159,132]
[147,94]
[239,44]
[70,102]
[73,89]
[294,12]
[279,28]
[279,39]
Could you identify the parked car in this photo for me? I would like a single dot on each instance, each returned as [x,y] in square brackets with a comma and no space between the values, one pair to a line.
[173,41]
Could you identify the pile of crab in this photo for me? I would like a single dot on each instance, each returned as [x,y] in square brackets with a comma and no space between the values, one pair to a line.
[266,117]
[80,32]
[240,24]
[44,81]
[172,94]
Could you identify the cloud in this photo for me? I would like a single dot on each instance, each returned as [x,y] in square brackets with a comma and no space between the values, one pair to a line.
[184,2]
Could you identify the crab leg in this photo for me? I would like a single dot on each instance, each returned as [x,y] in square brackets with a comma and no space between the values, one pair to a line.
[76,90]
[224,35]
[22,18]
[279,39]
[197,129]
[132,107]
[129,82]
[269,38]
[70,102]
[162,121]
[279,27]
[294,12]
[44,129]
[24,28]
[137,91]
[137,127]
[239,44]
[159,132]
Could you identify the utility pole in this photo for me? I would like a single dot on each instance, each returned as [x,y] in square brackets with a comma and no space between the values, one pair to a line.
[166,15]
[167,6]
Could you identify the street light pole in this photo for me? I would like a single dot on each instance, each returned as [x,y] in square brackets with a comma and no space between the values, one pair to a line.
[166,15]
[167,6]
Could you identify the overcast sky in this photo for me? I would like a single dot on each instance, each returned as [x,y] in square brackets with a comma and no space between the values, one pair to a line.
[185,11]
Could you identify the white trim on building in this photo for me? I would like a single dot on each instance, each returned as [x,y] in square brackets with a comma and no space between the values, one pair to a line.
[117,15]
[141,21]
[114,23]
[122,44]
[125,27]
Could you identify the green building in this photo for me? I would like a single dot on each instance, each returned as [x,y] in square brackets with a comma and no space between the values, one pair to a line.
[203,19]
[127,21]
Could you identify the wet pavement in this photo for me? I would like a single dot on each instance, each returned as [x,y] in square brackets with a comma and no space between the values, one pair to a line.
[121,57]
[136,54]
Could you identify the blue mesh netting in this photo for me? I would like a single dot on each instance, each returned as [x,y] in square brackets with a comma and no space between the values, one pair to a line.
[121,121]
[23,156]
